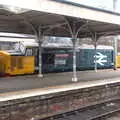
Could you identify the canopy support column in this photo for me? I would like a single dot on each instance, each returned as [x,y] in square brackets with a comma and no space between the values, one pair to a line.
[95,40]
[40,39]
[74,29]
[40,58]
[40,34]
[74,79]
[115,53]
[95,45]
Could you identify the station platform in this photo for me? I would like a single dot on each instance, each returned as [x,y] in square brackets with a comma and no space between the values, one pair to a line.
[11,94]
[31,97]
[28,82]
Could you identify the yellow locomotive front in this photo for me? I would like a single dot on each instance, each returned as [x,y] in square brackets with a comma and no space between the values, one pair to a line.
[118,60]
[17,62]
[4,63]
[21,65]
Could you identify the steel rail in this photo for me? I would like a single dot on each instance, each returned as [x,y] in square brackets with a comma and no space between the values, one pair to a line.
[89,113]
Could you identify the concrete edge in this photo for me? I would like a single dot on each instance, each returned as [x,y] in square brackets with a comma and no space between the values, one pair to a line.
[55,89]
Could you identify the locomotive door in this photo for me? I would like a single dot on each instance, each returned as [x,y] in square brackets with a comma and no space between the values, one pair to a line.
[33,51]
[2,66]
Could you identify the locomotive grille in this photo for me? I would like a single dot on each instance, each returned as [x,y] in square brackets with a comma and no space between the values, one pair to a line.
[16,62]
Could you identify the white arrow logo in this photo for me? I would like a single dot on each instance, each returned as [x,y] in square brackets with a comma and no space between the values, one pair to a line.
[101,59]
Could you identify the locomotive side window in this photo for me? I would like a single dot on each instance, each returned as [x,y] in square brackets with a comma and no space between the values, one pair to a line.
[29,52]
[35,51]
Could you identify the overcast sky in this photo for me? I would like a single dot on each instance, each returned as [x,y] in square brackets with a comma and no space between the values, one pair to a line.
[105,4]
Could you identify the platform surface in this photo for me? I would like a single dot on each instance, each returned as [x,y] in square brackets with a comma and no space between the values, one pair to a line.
[27,82]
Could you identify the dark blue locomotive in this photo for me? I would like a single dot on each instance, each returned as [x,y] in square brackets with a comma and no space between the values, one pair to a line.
[60,59]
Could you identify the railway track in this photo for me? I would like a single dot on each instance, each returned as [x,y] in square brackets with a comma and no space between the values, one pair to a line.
[115,116]
[112,115]
[103,111]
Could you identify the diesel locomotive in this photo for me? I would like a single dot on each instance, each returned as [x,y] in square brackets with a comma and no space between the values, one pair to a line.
[60,59]
[24,58]
[21,60]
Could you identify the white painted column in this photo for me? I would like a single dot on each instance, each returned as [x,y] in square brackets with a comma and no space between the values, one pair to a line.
[95,39]
[74,79]
[40,60]
[74,29]
[115,53]
[40,39]
[95,66]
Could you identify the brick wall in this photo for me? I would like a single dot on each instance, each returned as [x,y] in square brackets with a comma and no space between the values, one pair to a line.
[37,107]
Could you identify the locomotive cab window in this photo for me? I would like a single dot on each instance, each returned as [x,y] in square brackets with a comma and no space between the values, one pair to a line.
[29,52]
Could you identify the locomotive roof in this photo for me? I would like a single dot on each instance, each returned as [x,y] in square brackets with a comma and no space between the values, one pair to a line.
[30,44]
[14,52]
[84,46]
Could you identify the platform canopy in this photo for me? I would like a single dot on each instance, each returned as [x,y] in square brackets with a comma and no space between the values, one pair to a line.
[53,17]
[58,18]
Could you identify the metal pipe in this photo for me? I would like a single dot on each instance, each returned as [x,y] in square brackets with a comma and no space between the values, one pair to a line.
[114,5]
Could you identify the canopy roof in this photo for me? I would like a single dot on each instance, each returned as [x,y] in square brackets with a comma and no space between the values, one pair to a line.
[24,17]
